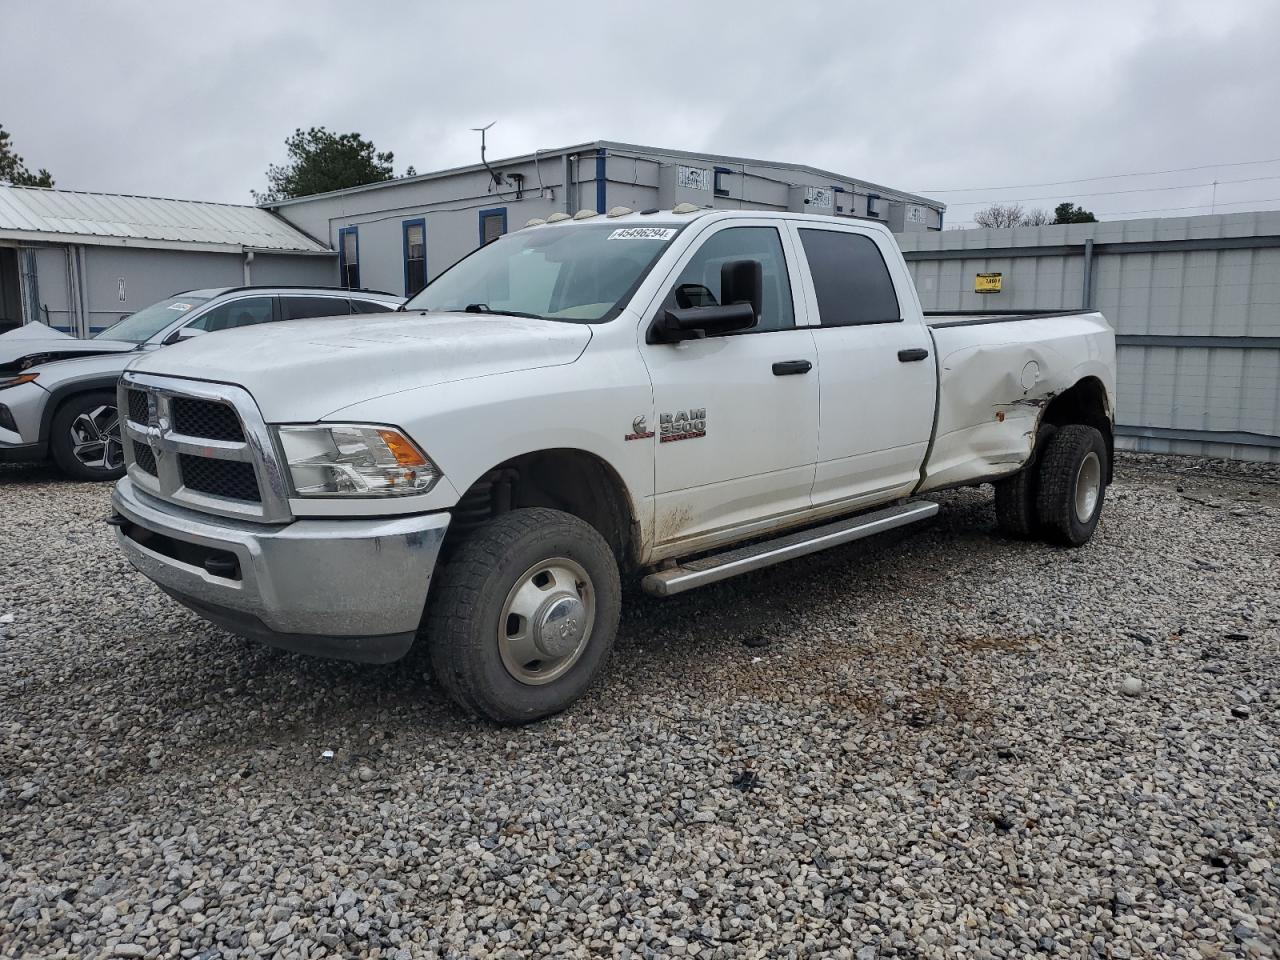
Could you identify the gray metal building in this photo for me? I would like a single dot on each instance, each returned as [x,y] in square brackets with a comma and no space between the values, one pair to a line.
[396,235]
[80,261]
[1195,302]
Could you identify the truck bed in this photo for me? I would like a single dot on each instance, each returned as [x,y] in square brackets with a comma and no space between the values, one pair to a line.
[996,374]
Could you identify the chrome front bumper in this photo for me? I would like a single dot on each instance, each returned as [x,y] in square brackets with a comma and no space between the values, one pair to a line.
[352,589]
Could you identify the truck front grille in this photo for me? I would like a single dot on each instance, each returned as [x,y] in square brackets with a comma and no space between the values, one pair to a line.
[207,419]
[202,446]
[233,479]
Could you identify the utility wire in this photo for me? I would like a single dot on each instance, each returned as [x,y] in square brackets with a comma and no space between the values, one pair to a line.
[1109,176]
[1107,193]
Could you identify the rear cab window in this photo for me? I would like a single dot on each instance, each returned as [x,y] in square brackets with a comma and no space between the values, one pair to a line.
[850,278]
[294,308]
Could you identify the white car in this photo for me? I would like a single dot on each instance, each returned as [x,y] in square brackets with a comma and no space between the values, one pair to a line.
[58,393]
[675,397]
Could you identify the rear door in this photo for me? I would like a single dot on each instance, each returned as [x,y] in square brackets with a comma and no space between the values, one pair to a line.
[737,429]
[877,382]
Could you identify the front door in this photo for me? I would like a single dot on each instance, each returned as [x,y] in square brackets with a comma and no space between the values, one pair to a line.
[737,431]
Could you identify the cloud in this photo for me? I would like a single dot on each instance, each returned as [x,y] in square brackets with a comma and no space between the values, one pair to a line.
[176,99]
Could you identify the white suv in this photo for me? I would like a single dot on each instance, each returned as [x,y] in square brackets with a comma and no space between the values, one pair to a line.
[58,394]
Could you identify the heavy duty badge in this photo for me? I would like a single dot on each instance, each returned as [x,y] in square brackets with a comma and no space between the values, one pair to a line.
[639,429]
[683,425]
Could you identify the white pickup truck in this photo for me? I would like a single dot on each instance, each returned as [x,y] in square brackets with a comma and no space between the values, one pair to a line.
[676,397]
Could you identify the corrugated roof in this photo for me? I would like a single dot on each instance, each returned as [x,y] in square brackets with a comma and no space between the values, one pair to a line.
[39,213]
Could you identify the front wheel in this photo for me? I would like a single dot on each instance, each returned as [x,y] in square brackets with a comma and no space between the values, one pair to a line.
[85,437]
[1073,484]
[523,615]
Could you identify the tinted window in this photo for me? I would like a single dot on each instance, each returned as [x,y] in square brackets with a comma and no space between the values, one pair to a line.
[850,279]
[291,308]
[237,313]
[700,279]
[370,306]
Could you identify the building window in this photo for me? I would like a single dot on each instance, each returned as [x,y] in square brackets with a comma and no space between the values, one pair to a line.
[720,189]
[415,256]
[873,204]
[349,257]
[493,224]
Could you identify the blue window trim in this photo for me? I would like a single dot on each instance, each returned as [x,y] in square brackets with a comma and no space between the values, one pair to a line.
[602,174]
[491,212]
[342,256]
[716,189]
[404,236]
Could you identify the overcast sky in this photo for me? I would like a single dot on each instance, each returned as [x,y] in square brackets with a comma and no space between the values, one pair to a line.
[194,100]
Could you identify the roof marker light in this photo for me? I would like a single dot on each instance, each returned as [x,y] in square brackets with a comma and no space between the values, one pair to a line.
[557,217]
[535,222]
[685,208]
[619,212]
[585,214]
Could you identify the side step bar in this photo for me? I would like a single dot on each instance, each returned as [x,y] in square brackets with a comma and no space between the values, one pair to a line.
[698,573]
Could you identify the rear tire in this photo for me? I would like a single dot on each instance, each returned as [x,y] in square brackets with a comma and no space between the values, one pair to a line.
[1073,485]
[85,437]
[524,615]
[1016,495]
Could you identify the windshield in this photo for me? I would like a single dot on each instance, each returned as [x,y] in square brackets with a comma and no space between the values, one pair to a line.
[576,273]
[146,323]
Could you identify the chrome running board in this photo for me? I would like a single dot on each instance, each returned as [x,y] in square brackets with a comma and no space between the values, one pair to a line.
[722,566]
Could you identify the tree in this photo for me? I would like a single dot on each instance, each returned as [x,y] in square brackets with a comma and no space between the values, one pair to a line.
[1036,218]
[1070,213]
[320,161]
[1000,215]
[13,171]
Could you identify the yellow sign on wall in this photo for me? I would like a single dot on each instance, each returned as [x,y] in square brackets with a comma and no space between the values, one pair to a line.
[987,283]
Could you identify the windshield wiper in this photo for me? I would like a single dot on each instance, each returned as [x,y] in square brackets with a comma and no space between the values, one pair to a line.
[484,308]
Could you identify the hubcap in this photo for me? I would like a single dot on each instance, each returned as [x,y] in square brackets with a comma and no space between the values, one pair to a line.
[1088,487]
[95,438]
[546,621]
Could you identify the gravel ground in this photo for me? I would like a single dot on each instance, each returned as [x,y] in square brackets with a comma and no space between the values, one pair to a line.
[938,744]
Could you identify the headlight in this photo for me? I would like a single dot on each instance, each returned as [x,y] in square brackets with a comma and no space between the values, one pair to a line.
[354,460]
[19,379]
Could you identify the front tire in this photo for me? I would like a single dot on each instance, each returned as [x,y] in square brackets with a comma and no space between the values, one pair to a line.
[85,437]
[524,615]
[1073,485]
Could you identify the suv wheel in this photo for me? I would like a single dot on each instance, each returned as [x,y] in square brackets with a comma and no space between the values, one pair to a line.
[524,615]
[85,437]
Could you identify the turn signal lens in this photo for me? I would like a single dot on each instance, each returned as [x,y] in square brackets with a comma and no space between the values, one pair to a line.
[354,460]
[19,379]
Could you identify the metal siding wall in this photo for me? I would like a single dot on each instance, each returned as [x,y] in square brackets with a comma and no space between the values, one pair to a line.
[283,270]
[1231,292]
[150,275]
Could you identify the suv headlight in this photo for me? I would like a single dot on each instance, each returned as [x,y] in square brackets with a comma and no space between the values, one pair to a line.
[355,460]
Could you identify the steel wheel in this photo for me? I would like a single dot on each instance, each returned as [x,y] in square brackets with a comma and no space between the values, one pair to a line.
[95,438]
[1088,487]
[546,621]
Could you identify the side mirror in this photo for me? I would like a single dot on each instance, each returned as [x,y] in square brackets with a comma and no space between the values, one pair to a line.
[742,292]
[183,333]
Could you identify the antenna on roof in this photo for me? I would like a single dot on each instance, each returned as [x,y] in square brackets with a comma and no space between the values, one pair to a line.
[497,177]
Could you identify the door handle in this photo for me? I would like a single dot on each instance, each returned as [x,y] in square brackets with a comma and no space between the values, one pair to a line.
[915,353]
[786,368]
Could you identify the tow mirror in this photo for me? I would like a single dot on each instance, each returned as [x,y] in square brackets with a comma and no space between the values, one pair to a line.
[183,333]
[741,293]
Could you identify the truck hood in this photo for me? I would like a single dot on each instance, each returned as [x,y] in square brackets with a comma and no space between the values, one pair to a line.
[21,350]
[302,370]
